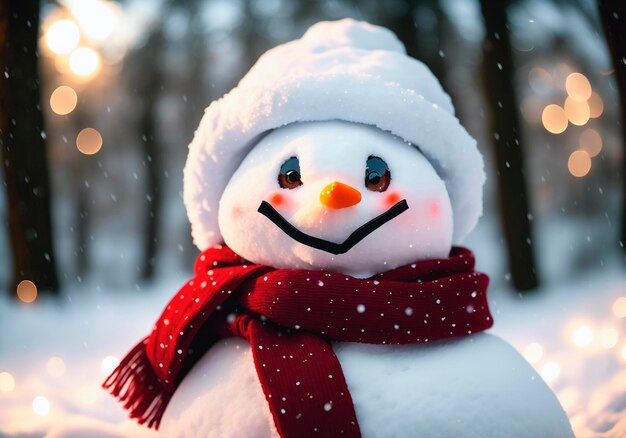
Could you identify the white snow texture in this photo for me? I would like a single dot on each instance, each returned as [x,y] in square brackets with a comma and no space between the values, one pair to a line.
[343,70]
[477,386]
[336,151]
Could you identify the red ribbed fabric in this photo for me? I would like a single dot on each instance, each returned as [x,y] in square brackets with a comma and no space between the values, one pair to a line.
[289,317]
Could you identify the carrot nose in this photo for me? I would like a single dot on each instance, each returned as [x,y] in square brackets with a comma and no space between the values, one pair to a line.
[339,195]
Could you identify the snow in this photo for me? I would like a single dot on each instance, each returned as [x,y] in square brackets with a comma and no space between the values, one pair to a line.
[336,151]
[90,325]
[320,81]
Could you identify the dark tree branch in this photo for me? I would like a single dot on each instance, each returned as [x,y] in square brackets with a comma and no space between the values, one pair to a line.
[613,16]
[22,141]
[498,75]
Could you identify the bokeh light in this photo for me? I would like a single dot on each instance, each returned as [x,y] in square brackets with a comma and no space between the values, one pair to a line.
[619,307]
[578,87]
[63,100]
[7,383]
[533,352]
[27,291]
[591,142]
[596,105]
[609,338]
[109,364]
[97,18]
[554,119]
[582,336]
[62,36]
[89,141]
[577,112]
[550,371]
[55,367]
[41,406]
[579,163]
[84,62]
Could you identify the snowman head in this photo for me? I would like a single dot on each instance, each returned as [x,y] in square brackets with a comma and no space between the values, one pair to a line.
[336,196]
[278,168]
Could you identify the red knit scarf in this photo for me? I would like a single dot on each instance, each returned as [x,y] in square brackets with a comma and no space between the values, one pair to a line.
[290,317]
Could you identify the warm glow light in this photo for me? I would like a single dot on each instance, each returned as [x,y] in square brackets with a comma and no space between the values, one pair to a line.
[596,106]
[62,36]
[63,100]
[591,142]
[623,354]
[554,119]
[582,336]
[97,18]
[619,307]
[41,406]
[7,383]
[577,112]
[89,141]
[533,352]
[550,371]
[579,163]
[109,364]
[55,367]
[27,291]
[578,87]
[609,338]
[84,61]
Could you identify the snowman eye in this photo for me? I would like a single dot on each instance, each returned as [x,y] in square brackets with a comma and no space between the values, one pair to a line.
[377,175]
[289,176]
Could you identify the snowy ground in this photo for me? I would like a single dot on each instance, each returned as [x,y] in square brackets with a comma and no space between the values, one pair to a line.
[58,351]
[573,332]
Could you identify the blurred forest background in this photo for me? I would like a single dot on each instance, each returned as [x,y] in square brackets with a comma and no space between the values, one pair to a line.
[98,100]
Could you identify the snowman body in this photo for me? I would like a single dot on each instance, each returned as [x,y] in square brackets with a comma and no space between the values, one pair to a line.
[475,386]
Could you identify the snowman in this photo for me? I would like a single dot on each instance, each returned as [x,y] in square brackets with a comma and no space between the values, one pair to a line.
[326,192]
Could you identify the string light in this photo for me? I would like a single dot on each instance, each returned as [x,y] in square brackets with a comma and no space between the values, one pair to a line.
[596,105]
[27,291]
[533,352]
[579,163]
[84,62]
[63,100]
[609,338]
[591,142]
[578,87]
[55,367]
[582,336]
[619,307]
[41,406]
[62,36]
[550,371]
[97,18]
[577,112]
[89,141]
[109,364]
[7,383]
[554,119]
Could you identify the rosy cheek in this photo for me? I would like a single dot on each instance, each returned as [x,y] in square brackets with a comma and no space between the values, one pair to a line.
[433,209]
[236,211]
[277,199]
[392,198]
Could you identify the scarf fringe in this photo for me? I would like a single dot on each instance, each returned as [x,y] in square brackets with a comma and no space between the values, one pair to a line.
[135,384]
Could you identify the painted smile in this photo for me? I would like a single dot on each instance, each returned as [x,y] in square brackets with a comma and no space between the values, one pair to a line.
[334,248]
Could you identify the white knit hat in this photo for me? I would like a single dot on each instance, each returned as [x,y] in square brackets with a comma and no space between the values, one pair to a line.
[339,70]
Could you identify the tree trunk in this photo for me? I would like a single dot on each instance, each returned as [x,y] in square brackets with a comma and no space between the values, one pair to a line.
[498,75]
[150,89]
[23,146]
[613,16]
